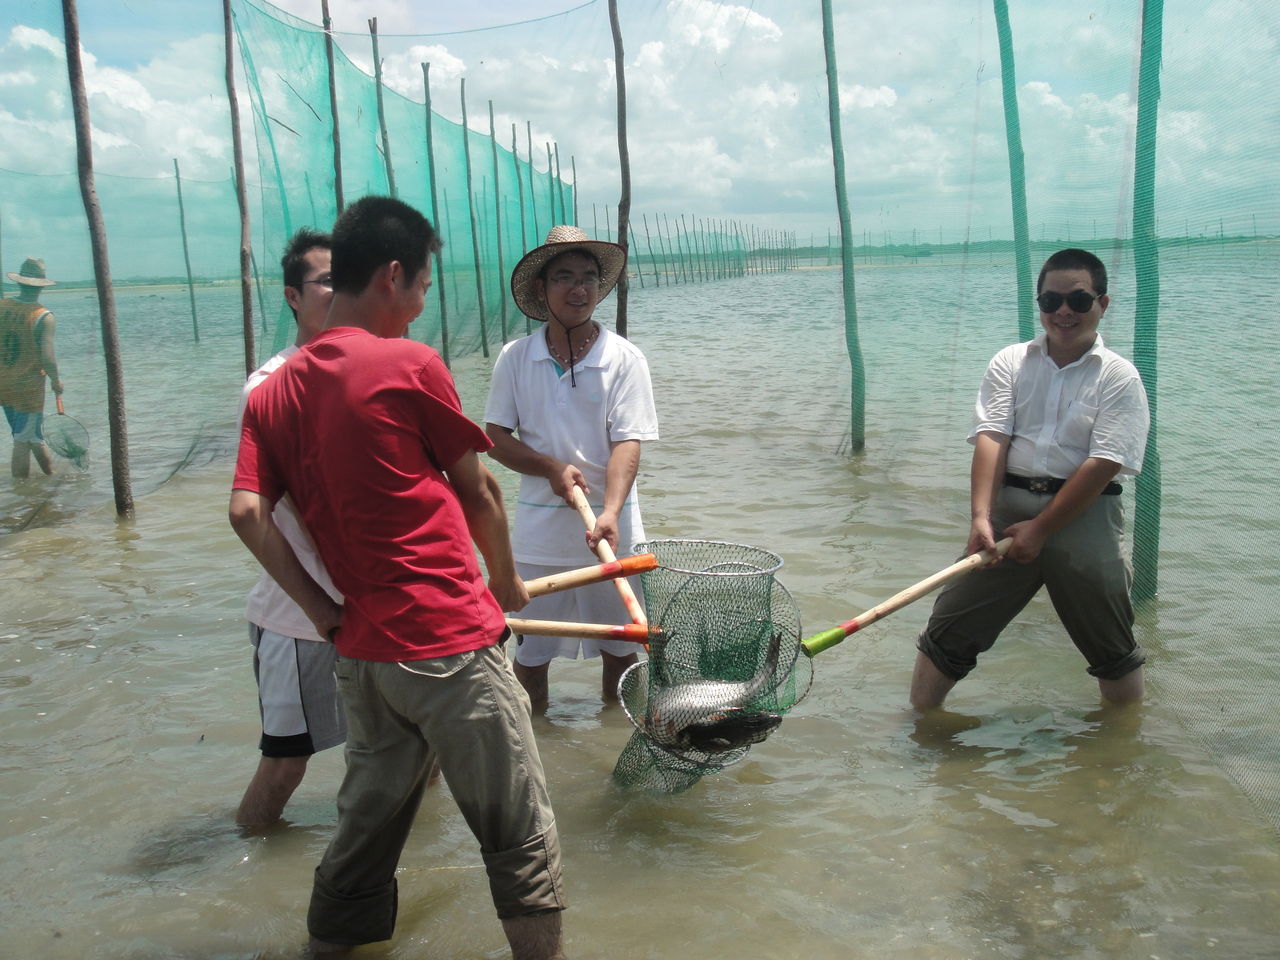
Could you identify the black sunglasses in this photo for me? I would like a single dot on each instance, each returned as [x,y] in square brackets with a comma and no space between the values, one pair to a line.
[1080,301]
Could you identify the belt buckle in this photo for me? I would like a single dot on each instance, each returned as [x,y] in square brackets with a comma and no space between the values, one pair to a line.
[1038,485]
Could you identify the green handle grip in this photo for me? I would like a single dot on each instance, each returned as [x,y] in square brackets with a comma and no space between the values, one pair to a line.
[812,646]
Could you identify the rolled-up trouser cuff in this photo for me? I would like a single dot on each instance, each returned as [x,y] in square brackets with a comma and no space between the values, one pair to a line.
[366,917]
[525,880]
[1130,662]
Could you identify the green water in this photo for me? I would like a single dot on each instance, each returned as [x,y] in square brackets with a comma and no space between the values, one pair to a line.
[1026,823]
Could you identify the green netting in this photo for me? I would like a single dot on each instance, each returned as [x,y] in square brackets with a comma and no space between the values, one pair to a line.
[724,670]
[976,144]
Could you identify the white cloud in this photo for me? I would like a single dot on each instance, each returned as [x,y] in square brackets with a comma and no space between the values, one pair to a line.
[21,78]
[858,97]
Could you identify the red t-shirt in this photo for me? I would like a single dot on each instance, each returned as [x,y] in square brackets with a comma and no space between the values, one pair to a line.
[358,430]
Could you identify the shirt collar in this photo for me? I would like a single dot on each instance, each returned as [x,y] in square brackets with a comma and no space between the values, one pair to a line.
[1037,344]
[594,357]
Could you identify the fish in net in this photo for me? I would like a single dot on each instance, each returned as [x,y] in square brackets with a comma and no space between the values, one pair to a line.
[723,671]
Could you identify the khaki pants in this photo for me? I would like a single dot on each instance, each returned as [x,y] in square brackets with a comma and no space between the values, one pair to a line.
[469,712]
[1085,570]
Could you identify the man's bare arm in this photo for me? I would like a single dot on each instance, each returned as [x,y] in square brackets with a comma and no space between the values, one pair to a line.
[514,454]
[250,515]
[481,500]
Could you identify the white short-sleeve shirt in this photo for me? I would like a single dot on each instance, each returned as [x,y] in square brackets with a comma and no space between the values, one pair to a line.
[1058,417]
[612,402]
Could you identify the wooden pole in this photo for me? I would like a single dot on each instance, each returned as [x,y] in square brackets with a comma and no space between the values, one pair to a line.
[1017,175]
[573,166]
[242,197]
[1146,321]
[857,386]
[533,193]
[649,243]
[624,158]
[382,115]
[333,106]
[515,163]
[631,233]
[497,223]
[186,251]
[524,226]
[475,232]
[435,216]
[121,484]
[559,187]
[551,186]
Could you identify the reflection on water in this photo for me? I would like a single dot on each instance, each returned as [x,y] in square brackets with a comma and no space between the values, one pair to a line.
[1023,822]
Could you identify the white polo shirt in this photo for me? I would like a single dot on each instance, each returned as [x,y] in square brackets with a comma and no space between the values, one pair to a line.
[613,401]
[1058,417]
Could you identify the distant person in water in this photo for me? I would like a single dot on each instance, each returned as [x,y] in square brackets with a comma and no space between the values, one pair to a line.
[297,695]
[27,359]
[569,406]
[1058,420]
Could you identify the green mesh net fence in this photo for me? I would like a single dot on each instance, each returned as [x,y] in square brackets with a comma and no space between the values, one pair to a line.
[724,671]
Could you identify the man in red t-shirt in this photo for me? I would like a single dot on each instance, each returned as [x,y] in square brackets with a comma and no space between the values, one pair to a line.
[364,431]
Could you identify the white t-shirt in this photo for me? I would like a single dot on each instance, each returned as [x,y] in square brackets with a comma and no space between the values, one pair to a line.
[268,606]
[613,401]
[1058,417]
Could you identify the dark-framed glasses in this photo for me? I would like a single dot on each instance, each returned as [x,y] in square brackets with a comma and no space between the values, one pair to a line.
[324,280]
[1079,301]
[569,281]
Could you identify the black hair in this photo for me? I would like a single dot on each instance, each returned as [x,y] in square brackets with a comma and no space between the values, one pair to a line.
[1075,259]
[294,263]
[374,231]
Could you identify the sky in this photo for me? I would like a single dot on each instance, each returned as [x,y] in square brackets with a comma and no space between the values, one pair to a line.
[727,106]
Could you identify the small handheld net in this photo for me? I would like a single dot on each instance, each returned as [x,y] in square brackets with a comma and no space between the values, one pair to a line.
[723,673]
[67,437]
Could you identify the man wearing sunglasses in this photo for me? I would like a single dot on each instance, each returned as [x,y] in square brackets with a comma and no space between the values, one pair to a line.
[1058,420]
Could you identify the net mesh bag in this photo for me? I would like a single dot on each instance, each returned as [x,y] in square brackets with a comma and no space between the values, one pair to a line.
[724,670]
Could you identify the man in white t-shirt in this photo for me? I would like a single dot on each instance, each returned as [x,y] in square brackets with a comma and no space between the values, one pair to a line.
[570,406]
[297,694]
[1058,420]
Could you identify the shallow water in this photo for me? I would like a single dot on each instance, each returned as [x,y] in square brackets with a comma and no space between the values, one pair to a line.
[1024,823]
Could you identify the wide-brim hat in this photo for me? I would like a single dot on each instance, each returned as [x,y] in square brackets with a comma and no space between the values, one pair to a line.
[562,239]
[31,274]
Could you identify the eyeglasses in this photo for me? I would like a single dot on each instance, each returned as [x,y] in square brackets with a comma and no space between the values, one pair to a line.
[568,281]
[1080,301]
[325,281]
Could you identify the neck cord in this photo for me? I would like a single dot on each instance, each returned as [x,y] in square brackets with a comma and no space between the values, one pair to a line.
[568,331]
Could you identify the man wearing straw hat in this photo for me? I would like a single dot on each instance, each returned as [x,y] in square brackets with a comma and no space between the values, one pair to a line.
[26,359]
[569,406]
[364,430]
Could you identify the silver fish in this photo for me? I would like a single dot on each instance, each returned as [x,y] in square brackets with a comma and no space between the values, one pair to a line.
[712,715]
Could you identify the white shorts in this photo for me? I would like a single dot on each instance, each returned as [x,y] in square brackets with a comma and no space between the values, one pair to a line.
[297,695]
[593,603]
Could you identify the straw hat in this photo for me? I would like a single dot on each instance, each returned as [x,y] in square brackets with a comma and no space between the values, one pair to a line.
[31,274]
[562,239]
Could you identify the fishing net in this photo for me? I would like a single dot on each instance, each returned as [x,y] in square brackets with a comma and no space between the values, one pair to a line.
[68,438]
[724,670]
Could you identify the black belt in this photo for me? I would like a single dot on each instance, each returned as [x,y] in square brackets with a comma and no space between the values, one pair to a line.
[1052,484]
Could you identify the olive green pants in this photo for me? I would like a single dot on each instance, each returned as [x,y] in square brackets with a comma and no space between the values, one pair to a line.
[469,712]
